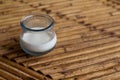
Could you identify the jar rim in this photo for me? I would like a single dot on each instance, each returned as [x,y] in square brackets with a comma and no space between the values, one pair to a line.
[32,15]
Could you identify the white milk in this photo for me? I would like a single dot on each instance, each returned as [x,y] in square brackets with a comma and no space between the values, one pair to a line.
[38,41]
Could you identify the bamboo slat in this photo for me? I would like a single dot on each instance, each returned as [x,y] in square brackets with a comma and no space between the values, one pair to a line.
[102,19]
[25,70]
[72,63]
[90,35]
[111,76]
[1,78]
[89,44]
[105,26]
[87,69]
[82,51]
[88,40]
[27,59]
[94,74]
[14,71]
[8,75]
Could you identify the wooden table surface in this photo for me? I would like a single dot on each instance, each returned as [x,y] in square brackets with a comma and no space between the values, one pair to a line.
[88,45]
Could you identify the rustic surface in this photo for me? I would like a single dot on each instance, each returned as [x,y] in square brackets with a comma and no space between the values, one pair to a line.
[88,46]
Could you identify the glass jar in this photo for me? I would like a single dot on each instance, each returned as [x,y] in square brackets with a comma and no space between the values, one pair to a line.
[38,36]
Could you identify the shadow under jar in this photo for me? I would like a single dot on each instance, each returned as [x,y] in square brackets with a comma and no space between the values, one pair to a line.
[38,36]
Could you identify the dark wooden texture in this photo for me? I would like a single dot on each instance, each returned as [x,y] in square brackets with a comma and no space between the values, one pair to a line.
[88,45]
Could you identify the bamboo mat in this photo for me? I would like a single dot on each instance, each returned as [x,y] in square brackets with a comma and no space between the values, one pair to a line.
[88,46]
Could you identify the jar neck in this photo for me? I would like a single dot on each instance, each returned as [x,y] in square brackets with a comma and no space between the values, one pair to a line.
[37,29]
[37,23]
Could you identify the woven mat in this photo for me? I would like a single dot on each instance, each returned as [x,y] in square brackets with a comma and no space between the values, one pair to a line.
[88,46]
